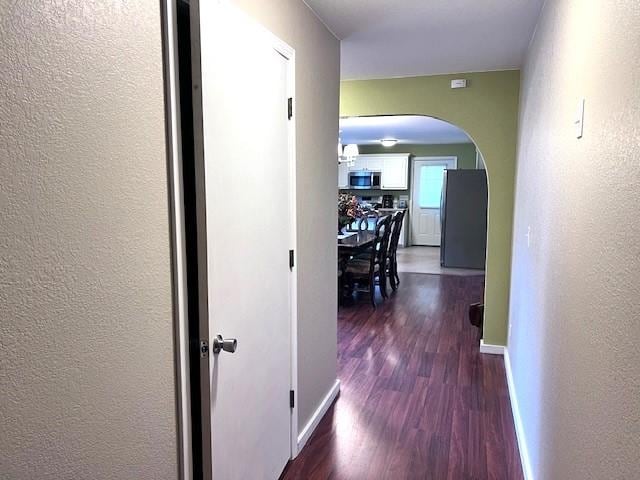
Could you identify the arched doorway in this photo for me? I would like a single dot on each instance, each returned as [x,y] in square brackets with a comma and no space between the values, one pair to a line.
[488,112]
[444,189]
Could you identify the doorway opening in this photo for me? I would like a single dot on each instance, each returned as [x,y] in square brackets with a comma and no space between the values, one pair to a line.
[408,356]
[437,177]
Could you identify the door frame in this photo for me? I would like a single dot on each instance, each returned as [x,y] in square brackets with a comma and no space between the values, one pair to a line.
[179,258]
[412,203]
[192,369]
[289,53]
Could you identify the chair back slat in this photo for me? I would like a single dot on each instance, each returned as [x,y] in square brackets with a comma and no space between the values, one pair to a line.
[359,224]
[381,242]
[396,228]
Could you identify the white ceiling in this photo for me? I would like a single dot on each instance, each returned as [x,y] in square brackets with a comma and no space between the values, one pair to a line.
[394,38]
[407,129]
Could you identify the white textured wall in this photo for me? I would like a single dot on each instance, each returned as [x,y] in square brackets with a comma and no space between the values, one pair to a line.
[86,366]
[316,116]
[574,339]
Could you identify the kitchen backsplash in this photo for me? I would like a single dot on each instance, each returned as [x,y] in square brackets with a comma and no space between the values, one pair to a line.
[375,197]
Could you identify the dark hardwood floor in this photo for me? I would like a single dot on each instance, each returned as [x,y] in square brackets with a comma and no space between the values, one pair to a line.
[417,401]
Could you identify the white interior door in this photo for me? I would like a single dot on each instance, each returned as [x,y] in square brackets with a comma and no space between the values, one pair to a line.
[426,191]
[246,81]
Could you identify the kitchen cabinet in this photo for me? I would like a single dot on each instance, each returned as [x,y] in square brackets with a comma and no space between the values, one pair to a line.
[395,172]
[375,163]
[343,175]
[360,163]
[394,168]
[367,162]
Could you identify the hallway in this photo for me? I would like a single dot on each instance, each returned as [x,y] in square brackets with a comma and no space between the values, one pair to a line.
[417,400]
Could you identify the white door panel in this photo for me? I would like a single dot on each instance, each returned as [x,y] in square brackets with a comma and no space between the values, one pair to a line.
[425,193]
[247,175]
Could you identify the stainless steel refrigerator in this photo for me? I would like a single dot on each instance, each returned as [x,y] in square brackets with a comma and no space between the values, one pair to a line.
[463,213]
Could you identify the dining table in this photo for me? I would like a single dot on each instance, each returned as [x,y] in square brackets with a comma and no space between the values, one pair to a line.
[352,243]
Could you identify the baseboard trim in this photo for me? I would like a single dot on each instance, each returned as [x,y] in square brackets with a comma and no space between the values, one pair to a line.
[491,349]
[517,420]
[313,422]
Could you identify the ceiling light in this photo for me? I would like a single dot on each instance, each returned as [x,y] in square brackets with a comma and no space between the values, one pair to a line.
[388,142]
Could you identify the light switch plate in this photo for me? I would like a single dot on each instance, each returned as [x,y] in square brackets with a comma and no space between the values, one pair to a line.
[578,123]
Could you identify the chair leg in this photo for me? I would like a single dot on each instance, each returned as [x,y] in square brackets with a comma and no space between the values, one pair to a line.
[392,276]
[392,279]
[383,283]
[372,292]
[395,270]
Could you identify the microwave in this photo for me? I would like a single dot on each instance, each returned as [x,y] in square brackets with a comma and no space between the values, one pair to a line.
[364,180]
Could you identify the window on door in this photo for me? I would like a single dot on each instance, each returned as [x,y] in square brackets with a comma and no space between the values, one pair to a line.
[430,185]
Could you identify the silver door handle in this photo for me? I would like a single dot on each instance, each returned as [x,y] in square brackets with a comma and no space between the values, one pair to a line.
[226,344]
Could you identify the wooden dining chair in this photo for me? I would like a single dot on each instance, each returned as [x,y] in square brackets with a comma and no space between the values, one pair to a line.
[372,270]
[372,214]
[392,260]
[359,224]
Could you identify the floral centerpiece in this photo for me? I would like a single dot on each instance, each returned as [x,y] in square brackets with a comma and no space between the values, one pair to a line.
[348,210]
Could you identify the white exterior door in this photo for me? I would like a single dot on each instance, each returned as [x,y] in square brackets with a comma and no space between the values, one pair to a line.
[426,193]
[246,80]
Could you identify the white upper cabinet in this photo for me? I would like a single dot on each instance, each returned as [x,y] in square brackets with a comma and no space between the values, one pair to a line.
[360,163]
[374,163]
[343,175]
[395,172]
[394,168]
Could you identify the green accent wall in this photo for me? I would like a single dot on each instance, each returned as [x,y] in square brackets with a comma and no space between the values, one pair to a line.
[488,111]
[466,152]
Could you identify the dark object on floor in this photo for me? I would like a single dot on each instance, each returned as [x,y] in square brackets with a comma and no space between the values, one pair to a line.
[476,314]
